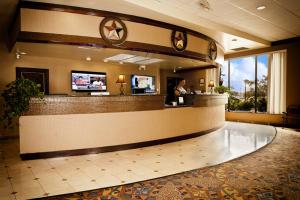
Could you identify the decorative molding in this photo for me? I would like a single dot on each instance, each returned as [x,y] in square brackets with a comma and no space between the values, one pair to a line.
[115,33]
[75,152]
[198,68]
[102,13]
[179,40]
[212,50]
[99,42]
[286,41]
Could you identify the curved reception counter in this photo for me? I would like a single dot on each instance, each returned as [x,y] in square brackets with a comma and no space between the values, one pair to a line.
[65,125]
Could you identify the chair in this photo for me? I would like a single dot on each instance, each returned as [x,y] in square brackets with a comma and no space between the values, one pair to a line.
[293,112]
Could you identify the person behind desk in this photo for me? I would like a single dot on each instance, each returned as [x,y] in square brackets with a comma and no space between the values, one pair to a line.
[179,89]
[179,92]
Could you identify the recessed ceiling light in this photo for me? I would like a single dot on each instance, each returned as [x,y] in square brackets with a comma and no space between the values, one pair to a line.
[261,7]
[88,58]
[105,60]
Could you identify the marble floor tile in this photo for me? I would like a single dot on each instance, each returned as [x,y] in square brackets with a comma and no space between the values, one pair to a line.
[54,176]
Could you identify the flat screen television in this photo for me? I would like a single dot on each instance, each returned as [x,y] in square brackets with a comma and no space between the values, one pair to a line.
[88,81]
[142,84]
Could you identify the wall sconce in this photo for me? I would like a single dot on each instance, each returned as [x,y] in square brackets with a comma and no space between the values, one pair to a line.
[121,80]
[211,84]
[142,67]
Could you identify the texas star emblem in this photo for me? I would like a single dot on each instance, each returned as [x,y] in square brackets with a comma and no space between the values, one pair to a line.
[179,40]
[113,31]
[212,50]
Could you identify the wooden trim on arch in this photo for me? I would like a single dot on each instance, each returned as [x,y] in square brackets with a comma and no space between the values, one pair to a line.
[198,68]
[102,13]
[35,37]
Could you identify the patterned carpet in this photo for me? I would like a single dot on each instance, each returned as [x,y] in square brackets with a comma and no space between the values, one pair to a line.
[272,172]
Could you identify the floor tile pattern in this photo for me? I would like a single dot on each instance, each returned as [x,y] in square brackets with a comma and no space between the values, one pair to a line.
[48,177]
[269,173]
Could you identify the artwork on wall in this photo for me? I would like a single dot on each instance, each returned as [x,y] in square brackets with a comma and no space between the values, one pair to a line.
[179,40]
[202,81]
[113,31]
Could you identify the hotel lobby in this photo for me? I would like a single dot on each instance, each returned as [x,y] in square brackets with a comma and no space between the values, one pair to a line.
[153,99]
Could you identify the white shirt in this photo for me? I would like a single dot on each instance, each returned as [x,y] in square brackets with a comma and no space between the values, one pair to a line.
[181,90]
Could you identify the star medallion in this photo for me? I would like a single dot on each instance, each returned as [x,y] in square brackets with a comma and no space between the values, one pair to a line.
[179,41]
[114,31]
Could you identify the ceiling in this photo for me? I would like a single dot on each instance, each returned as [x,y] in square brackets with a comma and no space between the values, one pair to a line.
[100,54]
[279,20]
[227,20]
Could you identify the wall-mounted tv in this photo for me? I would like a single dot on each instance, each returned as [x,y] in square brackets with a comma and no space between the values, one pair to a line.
[142,84]
[88,81]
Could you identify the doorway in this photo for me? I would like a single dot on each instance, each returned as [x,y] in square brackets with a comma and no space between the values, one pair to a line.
[39,76]
[171,84]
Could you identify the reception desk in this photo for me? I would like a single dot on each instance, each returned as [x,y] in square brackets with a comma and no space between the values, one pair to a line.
[60,126]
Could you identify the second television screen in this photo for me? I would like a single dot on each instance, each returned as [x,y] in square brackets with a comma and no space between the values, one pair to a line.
[143,82]
[88,81]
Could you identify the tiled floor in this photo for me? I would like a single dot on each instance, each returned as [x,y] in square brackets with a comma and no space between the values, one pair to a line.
[38,178]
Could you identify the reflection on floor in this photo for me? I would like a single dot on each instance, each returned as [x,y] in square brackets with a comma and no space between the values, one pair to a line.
[46,177]
[269,173]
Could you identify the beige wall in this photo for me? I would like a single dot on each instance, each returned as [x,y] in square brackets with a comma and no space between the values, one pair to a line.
[193,79]
[293,75]
[57,22]
[67,132]
[59,74]
[260,118]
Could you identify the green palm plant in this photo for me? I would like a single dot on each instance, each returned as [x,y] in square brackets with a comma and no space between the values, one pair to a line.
[16,99]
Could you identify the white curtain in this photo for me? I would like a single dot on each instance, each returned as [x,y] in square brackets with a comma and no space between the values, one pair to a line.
[212,75]
[277,82]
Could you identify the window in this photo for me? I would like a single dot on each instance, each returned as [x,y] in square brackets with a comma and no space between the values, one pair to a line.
[262,82]
[224,73]
[247,78]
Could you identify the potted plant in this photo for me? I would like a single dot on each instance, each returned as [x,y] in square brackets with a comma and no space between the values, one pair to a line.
[16,98]
[222,89]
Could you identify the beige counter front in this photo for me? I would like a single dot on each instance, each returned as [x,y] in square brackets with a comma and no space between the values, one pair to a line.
[58,133]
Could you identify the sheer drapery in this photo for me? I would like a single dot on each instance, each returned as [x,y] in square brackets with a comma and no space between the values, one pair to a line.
[277,82]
